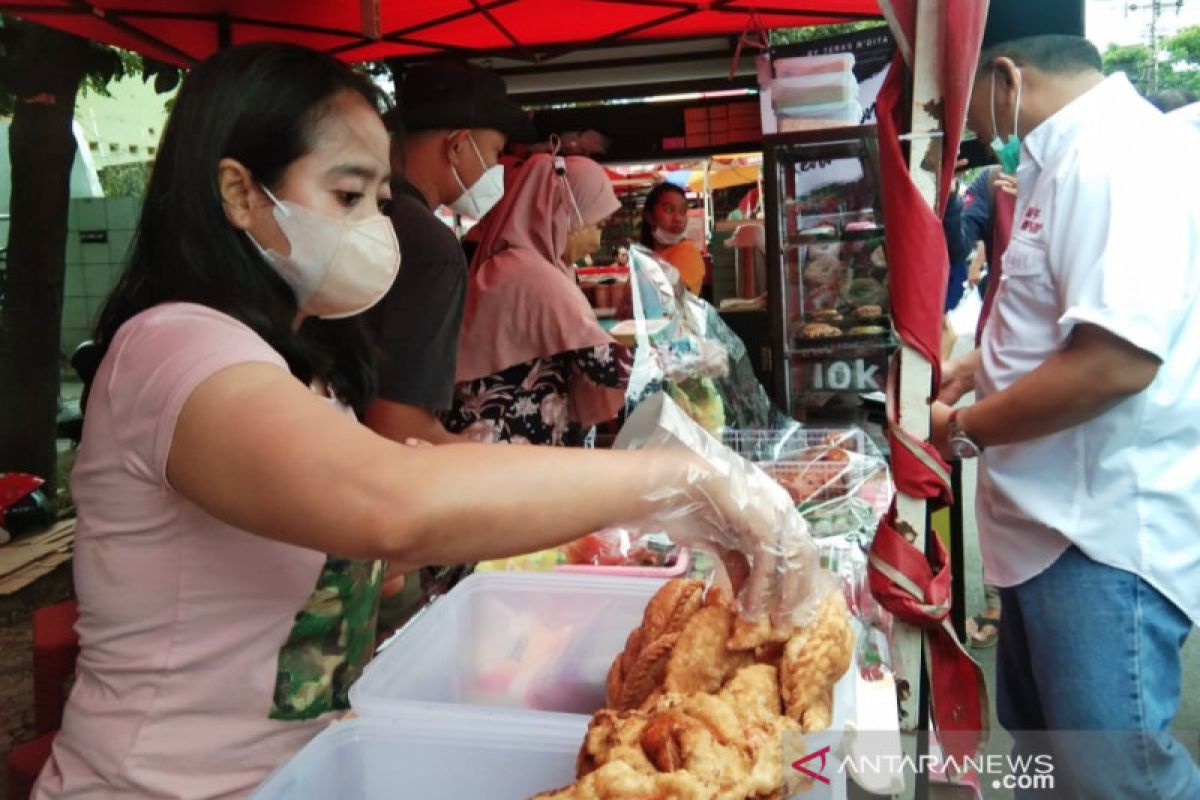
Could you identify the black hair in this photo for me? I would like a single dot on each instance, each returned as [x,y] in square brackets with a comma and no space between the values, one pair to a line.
[646,236]
[1171,99]
[261,104]
[1053,53]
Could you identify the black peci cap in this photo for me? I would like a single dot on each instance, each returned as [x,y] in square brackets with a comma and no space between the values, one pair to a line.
[452,95]
[1017,19]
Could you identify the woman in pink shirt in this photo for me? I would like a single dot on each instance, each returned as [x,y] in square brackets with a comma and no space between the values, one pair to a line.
[233,514]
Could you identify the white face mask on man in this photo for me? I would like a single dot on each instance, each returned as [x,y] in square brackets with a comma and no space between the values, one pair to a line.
[481,196]
[337,268]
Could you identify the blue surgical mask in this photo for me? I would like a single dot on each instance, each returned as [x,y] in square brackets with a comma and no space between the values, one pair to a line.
[1008,152]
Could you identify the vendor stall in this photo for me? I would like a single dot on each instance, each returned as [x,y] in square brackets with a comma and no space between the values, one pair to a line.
[510,679]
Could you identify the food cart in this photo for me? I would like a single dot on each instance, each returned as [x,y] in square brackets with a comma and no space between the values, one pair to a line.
[931,74]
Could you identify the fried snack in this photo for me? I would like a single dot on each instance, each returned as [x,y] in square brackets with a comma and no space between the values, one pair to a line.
[619,781]
[700,660]
[613,736]
[670,607]
[712,700]
[647,673]
[812,662]
[802,481]
[754,692]
[825,315]
[819,330]
[743,728]
[753,635]
[641,666]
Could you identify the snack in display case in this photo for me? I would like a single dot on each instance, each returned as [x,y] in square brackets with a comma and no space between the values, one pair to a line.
[839,480]
[827,265]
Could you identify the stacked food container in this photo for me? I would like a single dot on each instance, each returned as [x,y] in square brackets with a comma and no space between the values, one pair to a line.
[810,92]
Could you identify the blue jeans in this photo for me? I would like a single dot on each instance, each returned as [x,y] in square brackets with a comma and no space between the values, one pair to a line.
[1089,664]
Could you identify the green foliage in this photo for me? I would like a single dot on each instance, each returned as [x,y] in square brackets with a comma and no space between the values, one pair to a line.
[808,34]
[105,64]
[1185,45]
[1178,62]
[1132,59]
[124,180]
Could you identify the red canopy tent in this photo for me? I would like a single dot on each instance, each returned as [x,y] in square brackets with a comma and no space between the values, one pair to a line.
[182,32]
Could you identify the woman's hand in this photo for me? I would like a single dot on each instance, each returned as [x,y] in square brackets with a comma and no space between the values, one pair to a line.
[733,509]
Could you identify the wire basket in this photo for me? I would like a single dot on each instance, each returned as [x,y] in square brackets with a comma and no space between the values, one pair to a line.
[837,477]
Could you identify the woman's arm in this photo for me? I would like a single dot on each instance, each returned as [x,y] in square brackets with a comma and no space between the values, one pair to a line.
[256,449]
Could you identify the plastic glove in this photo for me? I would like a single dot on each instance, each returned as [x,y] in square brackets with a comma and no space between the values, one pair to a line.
[730,507]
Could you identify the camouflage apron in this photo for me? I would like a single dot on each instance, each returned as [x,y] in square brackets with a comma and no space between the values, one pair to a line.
[331,641]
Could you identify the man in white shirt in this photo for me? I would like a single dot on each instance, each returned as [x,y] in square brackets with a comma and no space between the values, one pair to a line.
[1087,421]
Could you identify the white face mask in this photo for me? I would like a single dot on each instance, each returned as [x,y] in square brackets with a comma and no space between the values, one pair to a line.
[337,268]
[666,238]
[476,201]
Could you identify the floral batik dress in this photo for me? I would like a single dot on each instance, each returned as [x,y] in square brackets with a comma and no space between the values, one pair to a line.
[527,403]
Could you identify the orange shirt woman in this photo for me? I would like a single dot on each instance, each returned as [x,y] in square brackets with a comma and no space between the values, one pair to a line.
[664,229]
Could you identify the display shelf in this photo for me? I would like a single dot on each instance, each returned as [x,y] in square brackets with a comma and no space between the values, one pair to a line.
[826,287]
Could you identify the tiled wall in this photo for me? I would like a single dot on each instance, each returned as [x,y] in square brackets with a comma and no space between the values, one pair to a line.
[93,267]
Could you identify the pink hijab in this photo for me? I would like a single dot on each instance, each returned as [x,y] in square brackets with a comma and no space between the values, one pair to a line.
[522,301]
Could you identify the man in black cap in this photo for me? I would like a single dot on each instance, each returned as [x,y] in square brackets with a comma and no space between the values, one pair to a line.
[1087,418]
[452,123]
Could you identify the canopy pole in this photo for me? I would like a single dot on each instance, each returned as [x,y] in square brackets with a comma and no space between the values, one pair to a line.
[369,19]
[915,372]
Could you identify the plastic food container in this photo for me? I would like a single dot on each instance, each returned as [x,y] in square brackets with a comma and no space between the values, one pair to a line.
[799,118]
[446,756]
[489,693]
[682,562]
[807,90]
[527,640]
[809,65]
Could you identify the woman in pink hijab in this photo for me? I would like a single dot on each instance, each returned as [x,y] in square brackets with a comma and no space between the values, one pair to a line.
[534,365]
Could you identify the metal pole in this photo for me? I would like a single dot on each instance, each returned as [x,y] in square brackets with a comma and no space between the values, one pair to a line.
[915,372]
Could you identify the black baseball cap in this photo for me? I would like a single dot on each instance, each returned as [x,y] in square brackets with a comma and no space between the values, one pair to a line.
[451,95]
[1008,20]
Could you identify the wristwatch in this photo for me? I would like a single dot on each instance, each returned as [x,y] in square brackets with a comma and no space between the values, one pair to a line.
[961,443]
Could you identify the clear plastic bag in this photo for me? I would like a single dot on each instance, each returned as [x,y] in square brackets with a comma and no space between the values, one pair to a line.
[731,508]
[695,356]
[846,556]
[837,477]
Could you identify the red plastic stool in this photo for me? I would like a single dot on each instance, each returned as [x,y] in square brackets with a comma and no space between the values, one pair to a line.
[55,648]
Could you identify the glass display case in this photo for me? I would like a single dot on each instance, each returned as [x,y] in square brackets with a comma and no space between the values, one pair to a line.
[827,270]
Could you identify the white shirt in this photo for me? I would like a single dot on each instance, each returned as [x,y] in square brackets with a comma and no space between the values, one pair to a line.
[1106,232]
[1189,114]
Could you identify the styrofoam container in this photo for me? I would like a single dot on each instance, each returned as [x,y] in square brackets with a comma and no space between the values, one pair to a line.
[823,89]
[810,65]
[542,641]
[431,757]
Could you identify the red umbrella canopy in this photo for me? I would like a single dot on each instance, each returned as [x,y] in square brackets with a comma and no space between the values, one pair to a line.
[182,32]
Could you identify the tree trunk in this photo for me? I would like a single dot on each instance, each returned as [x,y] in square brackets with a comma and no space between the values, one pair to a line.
[48,67]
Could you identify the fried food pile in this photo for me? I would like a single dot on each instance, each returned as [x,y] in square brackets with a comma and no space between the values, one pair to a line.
[699,701]
[813,475]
